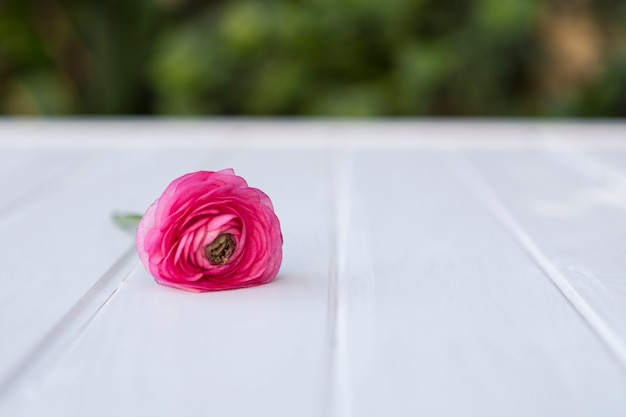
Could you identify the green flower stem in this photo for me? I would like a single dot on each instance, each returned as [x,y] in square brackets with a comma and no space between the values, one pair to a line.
[128,221]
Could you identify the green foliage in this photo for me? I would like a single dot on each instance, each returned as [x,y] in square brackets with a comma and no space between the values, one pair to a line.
[304,57]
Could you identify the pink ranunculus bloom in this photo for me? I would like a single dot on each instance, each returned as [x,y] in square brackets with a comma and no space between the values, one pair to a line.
[209,231]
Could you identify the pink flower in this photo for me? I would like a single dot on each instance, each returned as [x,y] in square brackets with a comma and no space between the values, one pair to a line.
[209,231]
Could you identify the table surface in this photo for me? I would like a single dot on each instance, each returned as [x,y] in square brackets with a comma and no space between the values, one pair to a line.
[437,268]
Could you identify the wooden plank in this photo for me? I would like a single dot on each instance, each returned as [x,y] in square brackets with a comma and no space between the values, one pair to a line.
[134,134]
[434,306]
[572,213]
[588,135]
[441,311]
[26,176]
[59,239]
[159,351]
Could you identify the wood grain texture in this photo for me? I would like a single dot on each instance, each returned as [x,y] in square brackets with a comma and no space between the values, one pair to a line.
[573,214]
[444,269]
[460,320]
[159,351]
[59,239]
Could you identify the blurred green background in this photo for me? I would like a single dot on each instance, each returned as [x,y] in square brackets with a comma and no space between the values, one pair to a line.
[314,57]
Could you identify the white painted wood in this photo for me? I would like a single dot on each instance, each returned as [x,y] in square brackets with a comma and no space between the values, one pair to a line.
[292,134]
[420,275]
[446,315]
[159,351]
[573,213]
[58,239]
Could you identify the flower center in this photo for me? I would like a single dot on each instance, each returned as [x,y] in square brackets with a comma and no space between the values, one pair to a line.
[221,249]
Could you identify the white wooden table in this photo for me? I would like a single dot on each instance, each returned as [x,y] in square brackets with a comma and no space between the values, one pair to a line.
[430,268]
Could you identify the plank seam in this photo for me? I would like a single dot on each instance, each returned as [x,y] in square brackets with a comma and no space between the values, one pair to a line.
[32,368]
[338,383]
[598,325]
